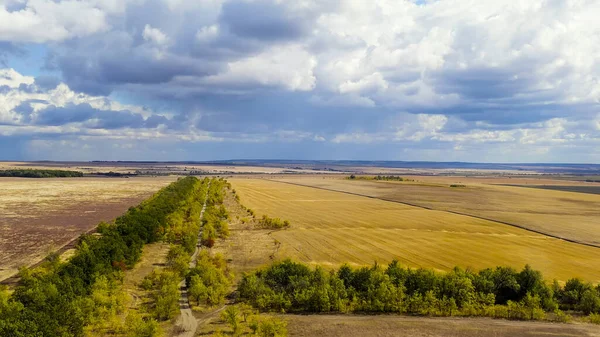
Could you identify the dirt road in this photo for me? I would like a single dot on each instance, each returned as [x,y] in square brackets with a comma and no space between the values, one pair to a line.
[186,322]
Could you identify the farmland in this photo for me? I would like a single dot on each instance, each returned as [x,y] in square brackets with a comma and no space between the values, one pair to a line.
[38,216]
[331,228]
[569,215]
[348,325]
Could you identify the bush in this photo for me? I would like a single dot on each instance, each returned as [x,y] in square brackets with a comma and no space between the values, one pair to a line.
[273,223]
[231,315]
[268,327]
[594,318]
[561,317]
[138,327]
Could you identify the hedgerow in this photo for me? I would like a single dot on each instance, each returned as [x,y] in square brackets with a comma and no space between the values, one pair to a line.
[499,292]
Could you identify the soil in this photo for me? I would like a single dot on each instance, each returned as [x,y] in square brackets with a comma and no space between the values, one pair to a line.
[25,241]
[388,325]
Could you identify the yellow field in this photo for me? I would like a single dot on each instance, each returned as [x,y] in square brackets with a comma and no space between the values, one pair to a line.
[331,228]
[570,215]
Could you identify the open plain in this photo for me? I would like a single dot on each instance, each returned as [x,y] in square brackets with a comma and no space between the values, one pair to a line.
[331,228]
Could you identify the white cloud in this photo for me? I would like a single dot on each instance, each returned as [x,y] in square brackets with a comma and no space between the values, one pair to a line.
[207,33]
[290,67]
[45,20]
[13,79]
[155,36]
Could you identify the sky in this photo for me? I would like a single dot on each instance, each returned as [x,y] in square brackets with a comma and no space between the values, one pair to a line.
[178,80]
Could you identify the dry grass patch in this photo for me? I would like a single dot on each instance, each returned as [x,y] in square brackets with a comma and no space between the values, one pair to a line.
[331,228]
[247,246]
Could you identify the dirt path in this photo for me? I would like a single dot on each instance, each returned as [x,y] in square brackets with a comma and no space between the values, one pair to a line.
[186,322]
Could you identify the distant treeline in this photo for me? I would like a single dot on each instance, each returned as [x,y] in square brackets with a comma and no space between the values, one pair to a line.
[378,177]
[36,173]
[501,292]
[115,174]
[60,299]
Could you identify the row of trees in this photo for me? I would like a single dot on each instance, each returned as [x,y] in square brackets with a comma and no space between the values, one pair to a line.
[499,292]
[214,222]
[378,177]
[60,299]
[207,282]
[35,173]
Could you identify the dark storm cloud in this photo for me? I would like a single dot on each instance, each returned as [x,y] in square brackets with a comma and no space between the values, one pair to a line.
[483,83]
[55,116]
[47,82]
[273,110]
[263,20]
[92,117]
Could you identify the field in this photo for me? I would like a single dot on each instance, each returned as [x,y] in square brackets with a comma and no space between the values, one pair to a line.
[380,326]
[330,228]
[38,216]
[156,168]
[567,188]
[568,215]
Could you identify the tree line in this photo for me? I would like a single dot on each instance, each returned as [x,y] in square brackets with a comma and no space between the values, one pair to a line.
[377,177]
[500,292]
[38,173]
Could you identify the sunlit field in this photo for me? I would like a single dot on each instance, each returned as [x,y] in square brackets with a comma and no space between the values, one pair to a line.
[331,228]
[568,215]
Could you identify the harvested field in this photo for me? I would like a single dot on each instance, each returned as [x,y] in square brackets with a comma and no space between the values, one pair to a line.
[155,168]
[569,215]
[331,228]
[380,326]
[577,189]
[38,216]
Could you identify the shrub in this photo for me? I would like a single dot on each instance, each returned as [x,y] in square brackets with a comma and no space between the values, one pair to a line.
[594,318]
[268,327]
[273,223]
[231,315]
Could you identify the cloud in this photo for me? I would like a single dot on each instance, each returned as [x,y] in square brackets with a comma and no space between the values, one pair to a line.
[430,77]
[288,67]
[155,36]
[44,20]
[263,20]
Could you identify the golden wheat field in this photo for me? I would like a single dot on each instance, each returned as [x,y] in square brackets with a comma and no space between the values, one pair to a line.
[332,228]
[569,215]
